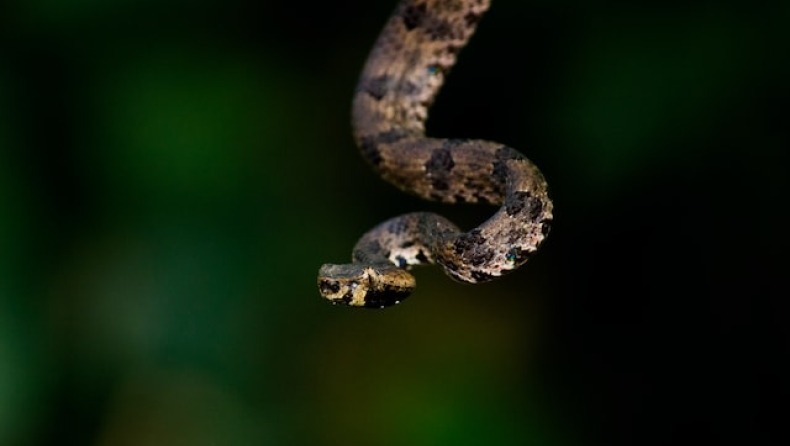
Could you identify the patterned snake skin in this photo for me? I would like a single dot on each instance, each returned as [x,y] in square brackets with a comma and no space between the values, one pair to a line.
[407,66]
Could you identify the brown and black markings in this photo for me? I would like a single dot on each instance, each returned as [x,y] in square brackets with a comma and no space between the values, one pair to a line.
[414,52]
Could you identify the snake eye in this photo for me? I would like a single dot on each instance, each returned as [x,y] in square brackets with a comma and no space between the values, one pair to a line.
[514,255]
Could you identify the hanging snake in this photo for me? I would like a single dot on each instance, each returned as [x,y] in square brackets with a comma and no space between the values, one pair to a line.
[407,66]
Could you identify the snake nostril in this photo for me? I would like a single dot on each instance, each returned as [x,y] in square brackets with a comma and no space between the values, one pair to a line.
[329,287]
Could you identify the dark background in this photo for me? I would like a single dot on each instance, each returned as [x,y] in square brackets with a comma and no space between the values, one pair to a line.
[173,173]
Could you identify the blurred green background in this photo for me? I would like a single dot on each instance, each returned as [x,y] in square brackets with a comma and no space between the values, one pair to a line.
[173,173]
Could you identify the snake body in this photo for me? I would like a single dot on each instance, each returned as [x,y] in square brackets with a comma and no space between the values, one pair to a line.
[407,66]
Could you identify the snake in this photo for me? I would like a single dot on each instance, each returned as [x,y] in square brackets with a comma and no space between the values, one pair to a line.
[407,66]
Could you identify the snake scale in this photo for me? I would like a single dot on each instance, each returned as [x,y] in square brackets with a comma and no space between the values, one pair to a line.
[407,66]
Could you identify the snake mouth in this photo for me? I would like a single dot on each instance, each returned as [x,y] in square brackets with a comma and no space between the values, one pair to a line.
[385,298]
[352,294]
[340,294]
[356,286]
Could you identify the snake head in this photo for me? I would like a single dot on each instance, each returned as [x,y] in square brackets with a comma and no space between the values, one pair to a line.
[370,286]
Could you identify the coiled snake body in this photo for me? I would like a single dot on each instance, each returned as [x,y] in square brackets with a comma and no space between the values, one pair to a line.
[404,71]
